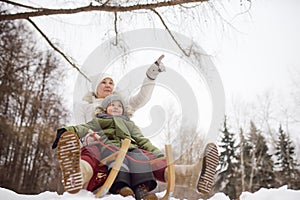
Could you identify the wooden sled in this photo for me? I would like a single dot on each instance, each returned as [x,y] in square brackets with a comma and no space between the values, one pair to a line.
[119,157]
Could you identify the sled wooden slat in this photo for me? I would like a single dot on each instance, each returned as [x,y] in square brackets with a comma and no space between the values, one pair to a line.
[109,158]
[171,173]
[115,169]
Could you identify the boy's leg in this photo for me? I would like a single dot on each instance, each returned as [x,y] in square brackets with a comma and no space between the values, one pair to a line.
[68,155]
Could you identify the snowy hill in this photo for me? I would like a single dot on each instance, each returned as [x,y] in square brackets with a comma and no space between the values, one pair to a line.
[262,194]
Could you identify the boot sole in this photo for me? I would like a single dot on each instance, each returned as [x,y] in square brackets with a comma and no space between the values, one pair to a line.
[211,161]
[68,155]
[151,197]
[126,191]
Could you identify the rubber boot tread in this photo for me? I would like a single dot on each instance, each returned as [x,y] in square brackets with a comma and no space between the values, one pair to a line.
[210,163]
[68,155]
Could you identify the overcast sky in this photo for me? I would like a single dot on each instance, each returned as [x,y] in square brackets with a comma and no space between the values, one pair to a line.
[266,52]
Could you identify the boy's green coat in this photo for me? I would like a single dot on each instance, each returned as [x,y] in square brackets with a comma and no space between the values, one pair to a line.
[114,131]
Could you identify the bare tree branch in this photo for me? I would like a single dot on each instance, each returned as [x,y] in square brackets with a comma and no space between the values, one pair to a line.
[20,5]
[172,36]
[115,26]
[104,7]
[56,49]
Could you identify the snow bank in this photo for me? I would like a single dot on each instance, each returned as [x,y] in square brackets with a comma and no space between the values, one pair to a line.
[262,194]
[272,194]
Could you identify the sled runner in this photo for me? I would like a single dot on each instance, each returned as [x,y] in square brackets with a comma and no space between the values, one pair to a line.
[68,154]
[171,173]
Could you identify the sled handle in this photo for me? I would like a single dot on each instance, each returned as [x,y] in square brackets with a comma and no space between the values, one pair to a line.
[171,173]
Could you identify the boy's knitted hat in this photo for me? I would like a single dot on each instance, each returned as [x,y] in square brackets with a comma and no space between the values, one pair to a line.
[111,98]
[97,79]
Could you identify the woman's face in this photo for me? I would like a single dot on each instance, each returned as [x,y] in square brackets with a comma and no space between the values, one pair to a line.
[115,108]
[105,88]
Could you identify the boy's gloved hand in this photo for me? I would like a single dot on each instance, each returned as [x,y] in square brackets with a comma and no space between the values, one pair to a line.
[58,134]
[90,138]
[156,68]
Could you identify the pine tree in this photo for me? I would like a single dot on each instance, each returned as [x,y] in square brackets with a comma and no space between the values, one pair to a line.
[259,168]
[286,165]
[240,177]
[228,172]
[264,173]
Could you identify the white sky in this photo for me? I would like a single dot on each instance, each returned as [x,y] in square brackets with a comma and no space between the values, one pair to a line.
[266,51]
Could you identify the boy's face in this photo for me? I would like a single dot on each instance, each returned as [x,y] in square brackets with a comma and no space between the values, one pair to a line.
[115,108]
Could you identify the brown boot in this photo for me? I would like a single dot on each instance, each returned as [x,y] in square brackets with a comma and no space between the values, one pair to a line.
[151,196]
[199,176]
[126,191]
[142,192]
[68,155]
[210,163]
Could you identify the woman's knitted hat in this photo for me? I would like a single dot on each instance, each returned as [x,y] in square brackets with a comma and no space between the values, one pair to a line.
[97,79]
[111,98]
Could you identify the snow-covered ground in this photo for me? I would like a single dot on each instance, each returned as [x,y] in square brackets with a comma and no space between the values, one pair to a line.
[263,194]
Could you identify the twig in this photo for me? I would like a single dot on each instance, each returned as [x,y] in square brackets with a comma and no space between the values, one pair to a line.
[170,33]
[116,28]
[56,49]
[20,5]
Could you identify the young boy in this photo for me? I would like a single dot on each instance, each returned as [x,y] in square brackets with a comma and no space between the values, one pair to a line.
[135,176]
